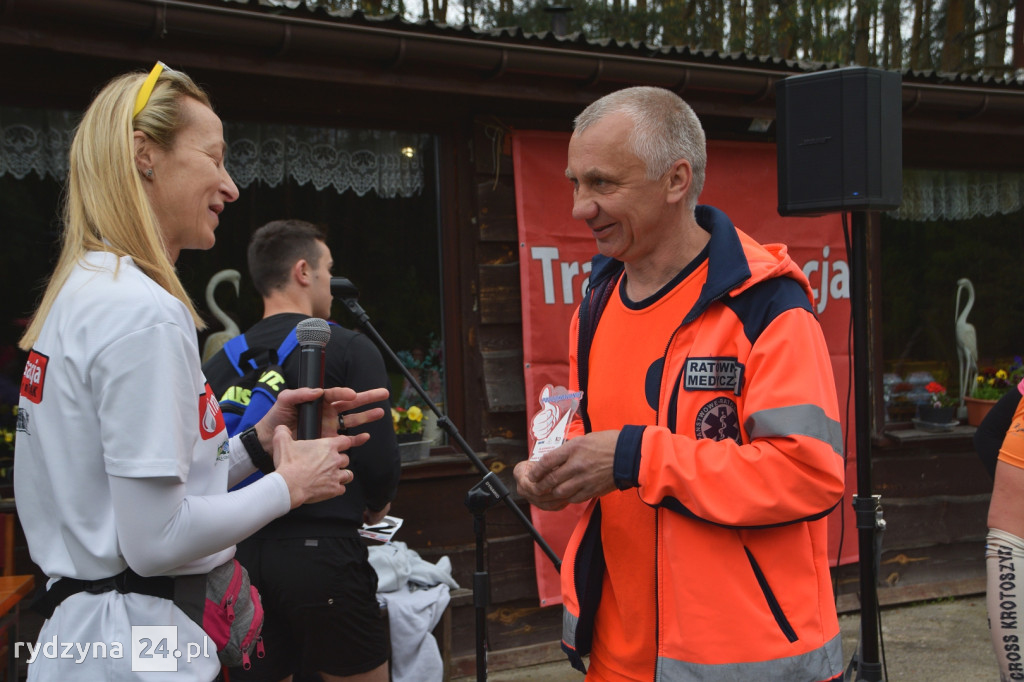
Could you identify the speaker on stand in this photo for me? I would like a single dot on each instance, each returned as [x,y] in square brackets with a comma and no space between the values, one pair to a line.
[839,139]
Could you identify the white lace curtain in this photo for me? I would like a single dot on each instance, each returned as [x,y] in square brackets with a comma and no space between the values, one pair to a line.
[959,195]
[389,163]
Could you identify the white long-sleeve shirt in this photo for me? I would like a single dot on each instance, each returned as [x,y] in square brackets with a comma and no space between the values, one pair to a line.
[121,456]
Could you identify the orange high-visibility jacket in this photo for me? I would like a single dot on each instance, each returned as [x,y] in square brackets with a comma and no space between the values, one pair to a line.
[741,467]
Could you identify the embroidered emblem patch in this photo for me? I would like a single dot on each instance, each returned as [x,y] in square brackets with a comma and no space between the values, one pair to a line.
[22,423]
[718,420]
[211,420]
[713,374]
[34,377]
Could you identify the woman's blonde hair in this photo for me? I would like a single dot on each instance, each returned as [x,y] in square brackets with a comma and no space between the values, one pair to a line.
[105,203]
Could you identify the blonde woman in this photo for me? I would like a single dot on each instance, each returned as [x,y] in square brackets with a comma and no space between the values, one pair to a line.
[122,460]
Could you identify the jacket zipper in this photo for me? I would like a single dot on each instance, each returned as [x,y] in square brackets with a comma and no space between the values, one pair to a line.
[664,367]
[657,519]
[584,312]
[657,598]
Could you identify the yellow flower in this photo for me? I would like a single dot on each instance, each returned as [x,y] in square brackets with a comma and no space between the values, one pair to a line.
[415,414]
[1001,374]
[395,416]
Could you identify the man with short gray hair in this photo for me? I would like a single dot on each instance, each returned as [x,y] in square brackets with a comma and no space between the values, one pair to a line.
[708,447]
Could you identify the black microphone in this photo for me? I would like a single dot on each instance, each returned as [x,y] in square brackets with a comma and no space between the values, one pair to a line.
[313,335]
[342,287]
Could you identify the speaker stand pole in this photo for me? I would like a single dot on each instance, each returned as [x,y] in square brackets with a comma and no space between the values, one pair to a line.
[867,507]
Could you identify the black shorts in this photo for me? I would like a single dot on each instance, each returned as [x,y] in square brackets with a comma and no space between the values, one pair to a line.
[320,602]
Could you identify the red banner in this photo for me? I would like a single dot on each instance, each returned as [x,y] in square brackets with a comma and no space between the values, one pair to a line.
[554,263]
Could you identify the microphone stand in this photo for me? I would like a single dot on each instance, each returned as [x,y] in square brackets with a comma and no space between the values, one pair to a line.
[484,495]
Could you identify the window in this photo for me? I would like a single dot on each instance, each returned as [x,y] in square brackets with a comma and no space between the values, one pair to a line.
[375,192]
[977,235]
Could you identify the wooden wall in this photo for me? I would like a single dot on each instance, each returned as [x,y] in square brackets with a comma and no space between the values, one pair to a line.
[934,496]
[432,494]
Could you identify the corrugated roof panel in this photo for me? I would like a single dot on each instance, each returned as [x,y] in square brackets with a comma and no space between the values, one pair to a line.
[516,36]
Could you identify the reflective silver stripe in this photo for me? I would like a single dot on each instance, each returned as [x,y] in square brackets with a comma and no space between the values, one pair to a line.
[569,628]
[824,663]
[796,420]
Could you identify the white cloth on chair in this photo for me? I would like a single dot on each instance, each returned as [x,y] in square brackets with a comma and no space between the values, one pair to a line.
[412,615]
[416,593]
[397,565]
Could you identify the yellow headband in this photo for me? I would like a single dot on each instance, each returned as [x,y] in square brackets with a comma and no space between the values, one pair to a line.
[147,88]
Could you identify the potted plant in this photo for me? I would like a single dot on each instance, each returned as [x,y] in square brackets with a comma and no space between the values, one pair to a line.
[940,409]
[408,423]
[992,382]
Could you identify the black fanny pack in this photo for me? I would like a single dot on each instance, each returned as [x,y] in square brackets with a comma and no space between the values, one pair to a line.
[125,581]
[222,602]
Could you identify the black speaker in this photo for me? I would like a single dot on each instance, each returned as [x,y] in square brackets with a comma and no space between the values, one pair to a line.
[839,137]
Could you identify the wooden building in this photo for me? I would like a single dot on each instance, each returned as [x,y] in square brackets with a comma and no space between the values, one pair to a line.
[451,256]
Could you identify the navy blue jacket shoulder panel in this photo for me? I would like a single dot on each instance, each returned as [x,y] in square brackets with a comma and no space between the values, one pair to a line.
[762,303]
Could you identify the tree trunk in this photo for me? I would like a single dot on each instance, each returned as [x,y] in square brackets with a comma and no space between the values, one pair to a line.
[737,25]
[862,33]
[761,31]
[996,18]
[918,45]
[1018,39]
[953,36]
[689,12]
[785,30]
[714,25]
[892,50]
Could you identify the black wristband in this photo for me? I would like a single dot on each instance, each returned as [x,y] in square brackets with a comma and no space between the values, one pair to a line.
[263,460]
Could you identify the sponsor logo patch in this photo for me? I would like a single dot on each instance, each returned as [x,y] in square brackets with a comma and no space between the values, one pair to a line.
[34,377]
[211,420]
[713,374]
[718,420]
[222,452]
[22,423]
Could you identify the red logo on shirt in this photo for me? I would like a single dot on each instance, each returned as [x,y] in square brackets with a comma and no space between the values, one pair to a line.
[35,375]
[211,420]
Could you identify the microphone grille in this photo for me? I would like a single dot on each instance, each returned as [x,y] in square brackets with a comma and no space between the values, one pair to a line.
[313,332]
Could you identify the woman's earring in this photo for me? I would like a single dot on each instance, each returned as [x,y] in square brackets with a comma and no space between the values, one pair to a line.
[149,173]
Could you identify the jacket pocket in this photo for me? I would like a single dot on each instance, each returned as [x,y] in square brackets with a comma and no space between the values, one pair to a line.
[773,603]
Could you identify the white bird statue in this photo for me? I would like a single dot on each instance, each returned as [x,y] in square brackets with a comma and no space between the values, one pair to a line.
[215,341]
[966,339]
